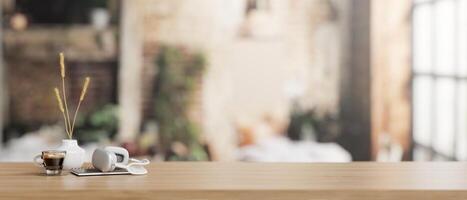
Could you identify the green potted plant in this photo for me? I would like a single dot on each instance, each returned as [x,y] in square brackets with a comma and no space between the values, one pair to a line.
[178,73]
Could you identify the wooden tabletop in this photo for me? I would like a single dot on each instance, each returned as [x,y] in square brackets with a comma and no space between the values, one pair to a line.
[178,180]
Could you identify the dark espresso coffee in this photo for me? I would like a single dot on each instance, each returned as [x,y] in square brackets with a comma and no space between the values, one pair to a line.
[53,161]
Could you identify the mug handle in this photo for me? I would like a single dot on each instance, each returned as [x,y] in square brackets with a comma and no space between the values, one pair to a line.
[39,164]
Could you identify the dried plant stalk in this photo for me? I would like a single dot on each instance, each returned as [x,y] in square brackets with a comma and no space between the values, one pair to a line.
[62,65]
[59,100]
[81,98]
[85,88]
[60,106]
[69,126]
[62,73]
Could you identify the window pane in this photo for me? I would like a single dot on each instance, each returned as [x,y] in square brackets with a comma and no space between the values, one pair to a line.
[422,101]
[422,38]
[462,36]
[444,135]
[462,121]
[444,36]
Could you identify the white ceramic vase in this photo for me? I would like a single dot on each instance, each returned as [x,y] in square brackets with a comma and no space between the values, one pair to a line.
[74,157]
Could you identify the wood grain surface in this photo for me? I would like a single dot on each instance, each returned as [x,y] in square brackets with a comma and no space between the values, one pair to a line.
[218,180]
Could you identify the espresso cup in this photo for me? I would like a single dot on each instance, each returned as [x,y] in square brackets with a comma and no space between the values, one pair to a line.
[52,161]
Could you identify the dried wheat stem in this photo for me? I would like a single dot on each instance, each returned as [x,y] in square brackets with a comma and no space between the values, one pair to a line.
[85,88]
[60,106]
[69,126]
[81,98]
[62,65]
[62,73]
[74,118]
[66,104]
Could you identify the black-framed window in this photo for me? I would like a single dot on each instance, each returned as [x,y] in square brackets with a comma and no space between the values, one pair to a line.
[439,79]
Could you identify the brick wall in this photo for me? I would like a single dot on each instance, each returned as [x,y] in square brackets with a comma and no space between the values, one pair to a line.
[33,71]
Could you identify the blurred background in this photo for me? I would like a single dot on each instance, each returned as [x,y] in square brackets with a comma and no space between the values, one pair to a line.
[242,80]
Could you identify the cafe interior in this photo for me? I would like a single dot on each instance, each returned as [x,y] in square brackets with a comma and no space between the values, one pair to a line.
[245,80]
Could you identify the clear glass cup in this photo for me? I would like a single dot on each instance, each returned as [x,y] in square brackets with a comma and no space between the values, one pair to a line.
[52,161]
